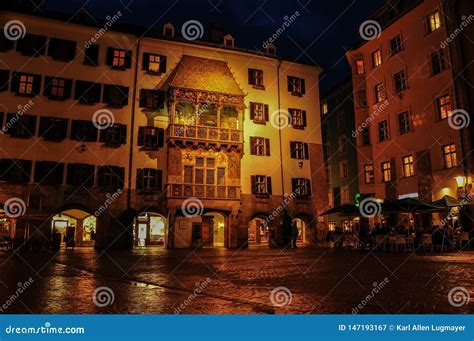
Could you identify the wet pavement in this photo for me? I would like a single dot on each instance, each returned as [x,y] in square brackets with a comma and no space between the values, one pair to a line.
[220,281]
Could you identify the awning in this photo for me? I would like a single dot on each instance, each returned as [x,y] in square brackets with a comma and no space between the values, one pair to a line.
[347,210]
[408,205]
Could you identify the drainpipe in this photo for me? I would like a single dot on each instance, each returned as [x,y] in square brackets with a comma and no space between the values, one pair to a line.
[132,129]
[279,134]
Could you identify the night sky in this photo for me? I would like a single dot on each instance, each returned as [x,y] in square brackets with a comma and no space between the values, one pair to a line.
[319,35]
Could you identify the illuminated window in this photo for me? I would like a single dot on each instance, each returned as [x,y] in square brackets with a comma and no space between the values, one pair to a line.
[379,92]
[154,63]
[261,184]
[376,58]
[383,131]
[408,166]
[259,113]
[343,170]
[259,146]
[433,21]
[325,108]
[449,156]
[400,81]
[444,106]
[360,67]
[404,122]
[119,58]
[386,172]
[26,85]
[296,86]
[369,174]
[332,225]
[298,118]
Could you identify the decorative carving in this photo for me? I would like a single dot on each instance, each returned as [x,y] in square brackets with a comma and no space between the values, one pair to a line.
[234,166]
[175,161]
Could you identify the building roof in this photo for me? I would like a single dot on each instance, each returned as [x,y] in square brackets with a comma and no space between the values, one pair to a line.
[206,75]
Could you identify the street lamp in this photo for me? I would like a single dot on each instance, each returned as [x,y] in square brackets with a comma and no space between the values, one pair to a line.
[461,181]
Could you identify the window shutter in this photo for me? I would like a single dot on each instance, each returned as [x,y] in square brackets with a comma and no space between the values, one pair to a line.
[106,94]
[15,84]
[303,114]
[159,179]
[290,85]
[123,134]
[70,173]
[110,56]
[303,86]
[103,135]
[96,88]
[252,110]
[141,136]
[91,56]
[4,77]
[294,184]
[121,176]
[253,184]
[124,93]
[161,137]
[71,53]
[306,151]
[101,175]
[269,185]
[250,76]
[139,179]
[308,187]
[128,59]
[162,64]
[94,132]
[67,88]
[161,99]
[37,84]
[143,97]
[293,150]
[252,146]
[267,147]
[74,128]
[145,61]
[265,108]
[48,82]
[63,127]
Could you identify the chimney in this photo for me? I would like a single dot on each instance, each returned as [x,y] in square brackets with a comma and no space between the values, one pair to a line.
[216,32]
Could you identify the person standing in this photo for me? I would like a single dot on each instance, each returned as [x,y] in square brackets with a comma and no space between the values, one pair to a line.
[294,234]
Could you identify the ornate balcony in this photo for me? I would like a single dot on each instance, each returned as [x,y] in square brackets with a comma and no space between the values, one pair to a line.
[203,133]
[203,191]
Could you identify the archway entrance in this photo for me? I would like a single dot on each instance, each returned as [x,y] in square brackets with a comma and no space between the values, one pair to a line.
[213,229]
[73,227]
[301,225]
[149,229]
[258,232]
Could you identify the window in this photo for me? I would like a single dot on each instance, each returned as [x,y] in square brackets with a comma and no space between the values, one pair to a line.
[168,30]
[259,146]
[362,98]
[57,88]
[154,63]
[343,169]
[119,59]
[376,58]
[31,45]
[52,128]
[83,131]
[340,120]
[91,55]
[114,135]
[326,150]
[386,172]
[404,122]
[383,131]
[433,21]
[325,108]
[408,166]
[261,185]
[21,125]
[49,173]
[301,187]
[4,79]
[444,106]
[329,174]
[438,62]
[360,68]
[150,137]
[149,179]
[345,195]
[259,113]
[400,81]
[365,136]
[110,177]
[298,118]
[60,49]
[256,78]
[15,171]
[342,144]
[26,84]
[79,174]
[379,93]
[87,92]
[395,45]
[369,174]
[5,43]
[115,95]
[299,150]
[296,86]
[449,156]
[152,99]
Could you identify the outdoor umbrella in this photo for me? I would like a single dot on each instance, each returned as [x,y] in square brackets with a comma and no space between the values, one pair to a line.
[408,205]
[347,209]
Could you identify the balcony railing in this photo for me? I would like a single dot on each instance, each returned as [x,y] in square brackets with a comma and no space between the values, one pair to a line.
[205,133]
[204,191]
